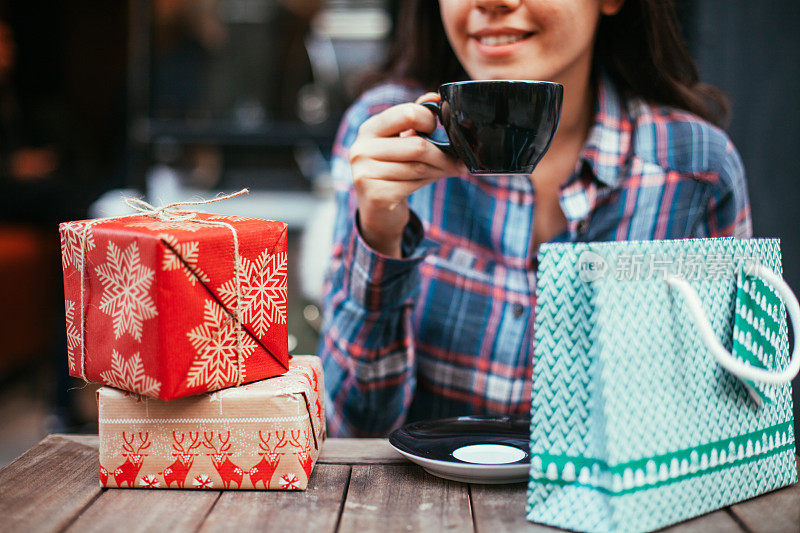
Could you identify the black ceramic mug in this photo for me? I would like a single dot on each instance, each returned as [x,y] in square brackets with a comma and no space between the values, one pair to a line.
[498,126]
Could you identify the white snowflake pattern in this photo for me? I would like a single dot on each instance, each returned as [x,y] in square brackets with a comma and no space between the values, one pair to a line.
[149,481]
[128,374]
[168,225]
[289,482]
[71,237]
[73,335]
[202,482]
[126,290]
[263,284]
[215,364]
[188,251]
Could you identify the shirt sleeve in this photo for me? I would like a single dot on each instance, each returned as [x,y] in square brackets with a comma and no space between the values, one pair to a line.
[728,209]
[367,345]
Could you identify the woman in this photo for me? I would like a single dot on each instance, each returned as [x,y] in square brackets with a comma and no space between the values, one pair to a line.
[430,295]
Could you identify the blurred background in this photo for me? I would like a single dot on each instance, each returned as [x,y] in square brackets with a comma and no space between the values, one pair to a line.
[171,99]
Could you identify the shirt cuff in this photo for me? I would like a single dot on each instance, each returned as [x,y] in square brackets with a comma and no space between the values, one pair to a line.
[379,282]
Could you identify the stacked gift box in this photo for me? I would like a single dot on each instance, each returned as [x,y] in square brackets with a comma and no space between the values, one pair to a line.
[182,316]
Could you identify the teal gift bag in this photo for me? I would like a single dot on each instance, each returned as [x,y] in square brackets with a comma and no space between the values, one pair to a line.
[661,381]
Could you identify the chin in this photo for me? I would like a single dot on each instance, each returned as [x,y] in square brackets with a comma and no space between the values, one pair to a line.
[505,76]
[505,73]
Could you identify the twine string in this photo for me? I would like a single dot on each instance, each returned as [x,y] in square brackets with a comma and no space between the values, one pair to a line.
[170,212]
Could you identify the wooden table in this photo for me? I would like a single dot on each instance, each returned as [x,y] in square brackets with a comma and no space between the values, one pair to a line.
[357,485]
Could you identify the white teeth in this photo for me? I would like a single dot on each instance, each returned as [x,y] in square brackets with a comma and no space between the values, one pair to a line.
[497,40]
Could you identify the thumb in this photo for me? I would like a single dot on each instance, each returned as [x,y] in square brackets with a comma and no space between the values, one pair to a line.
[429,97]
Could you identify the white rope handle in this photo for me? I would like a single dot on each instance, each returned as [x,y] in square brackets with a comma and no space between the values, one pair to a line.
[723,356]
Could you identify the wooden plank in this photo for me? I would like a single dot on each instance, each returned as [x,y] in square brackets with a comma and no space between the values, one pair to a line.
[146,510]
[45,488]
[86,440]
[777,511]
[500,508]
[716,522]
[317,508]
[359,451]
[404,498]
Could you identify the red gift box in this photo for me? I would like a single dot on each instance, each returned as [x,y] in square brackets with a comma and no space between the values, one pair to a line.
[152,301]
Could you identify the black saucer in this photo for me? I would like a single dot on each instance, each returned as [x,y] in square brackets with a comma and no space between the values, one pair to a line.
[432,444]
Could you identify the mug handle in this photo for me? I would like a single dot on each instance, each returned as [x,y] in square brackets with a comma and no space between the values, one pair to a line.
[444,146]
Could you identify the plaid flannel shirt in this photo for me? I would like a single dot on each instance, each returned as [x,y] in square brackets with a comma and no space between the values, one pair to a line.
[448,329]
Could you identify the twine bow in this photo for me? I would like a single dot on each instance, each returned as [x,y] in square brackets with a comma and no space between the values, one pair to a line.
[171,213]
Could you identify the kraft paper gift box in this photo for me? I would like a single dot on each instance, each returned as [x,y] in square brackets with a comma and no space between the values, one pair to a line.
[152,301]
[263,435]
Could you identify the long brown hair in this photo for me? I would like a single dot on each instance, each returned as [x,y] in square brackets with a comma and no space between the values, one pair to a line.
[640,47]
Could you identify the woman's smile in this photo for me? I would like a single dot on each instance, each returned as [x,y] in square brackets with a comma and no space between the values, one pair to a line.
[524,39]
[497,42]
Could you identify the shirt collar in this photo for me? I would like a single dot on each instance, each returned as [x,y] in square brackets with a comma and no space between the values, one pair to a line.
[607,149]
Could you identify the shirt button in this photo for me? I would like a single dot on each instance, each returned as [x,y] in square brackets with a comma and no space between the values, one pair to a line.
[517,310]
[583,225]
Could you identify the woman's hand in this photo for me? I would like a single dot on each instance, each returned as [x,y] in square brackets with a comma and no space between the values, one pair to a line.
[389,162]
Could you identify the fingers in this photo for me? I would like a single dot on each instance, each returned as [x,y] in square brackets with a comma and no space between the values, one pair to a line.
[411,148]
[395,171]
[429,97]
[404,150]
[386,194]
[399,118]
[377,195]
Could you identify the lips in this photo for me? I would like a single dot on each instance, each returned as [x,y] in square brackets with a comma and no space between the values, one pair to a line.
[499,41]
